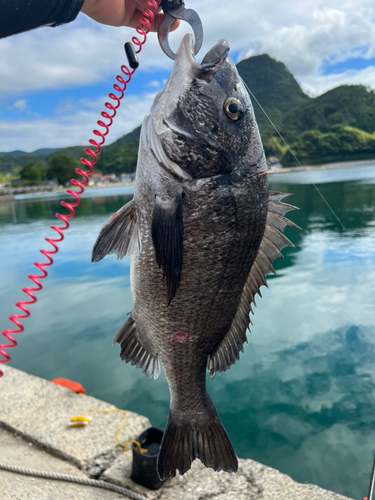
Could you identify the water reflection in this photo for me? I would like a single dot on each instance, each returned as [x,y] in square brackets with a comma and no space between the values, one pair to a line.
[302,396]
[308,408]
[32,209]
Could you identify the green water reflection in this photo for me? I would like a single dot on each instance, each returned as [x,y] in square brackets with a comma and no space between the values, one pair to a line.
[302,397]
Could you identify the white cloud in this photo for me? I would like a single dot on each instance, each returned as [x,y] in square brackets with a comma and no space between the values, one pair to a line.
[74,128]
[81,53]
[154,84]
[317,85]
[21,105]
[301,34]
[327,31]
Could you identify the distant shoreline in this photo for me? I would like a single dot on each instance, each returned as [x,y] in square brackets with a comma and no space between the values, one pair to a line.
[325,166]
[101,186]
[305,168]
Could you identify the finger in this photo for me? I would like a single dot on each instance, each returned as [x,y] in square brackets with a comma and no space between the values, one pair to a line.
[176,25]
[134,21]
[143,4]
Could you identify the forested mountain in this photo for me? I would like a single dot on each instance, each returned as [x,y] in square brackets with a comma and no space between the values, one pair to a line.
[274,87]
[293,112]
[335,126]
[351,105]
[339,125]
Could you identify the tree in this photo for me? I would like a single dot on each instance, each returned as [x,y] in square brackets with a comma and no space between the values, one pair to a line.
[32,173]
[34,176]
[119,160]
[62,168]
[340,144]
[272,147]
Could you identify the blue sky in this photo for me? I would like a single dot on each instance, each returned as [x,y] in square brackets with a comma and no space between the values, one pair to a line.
[53,102]
[355,64]
[54,81]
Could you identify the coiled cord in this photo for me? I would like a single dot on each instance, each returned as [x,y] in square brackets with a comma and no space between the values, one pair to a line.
[73,479]
[145,22]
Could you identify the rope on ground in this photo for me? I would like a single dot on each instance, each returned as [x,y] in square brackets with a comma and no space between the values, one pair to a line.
[73,479]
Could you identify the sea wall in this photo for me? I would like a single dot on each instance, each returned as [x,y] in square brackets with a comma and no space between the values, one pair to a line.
[27,190]
[39,412]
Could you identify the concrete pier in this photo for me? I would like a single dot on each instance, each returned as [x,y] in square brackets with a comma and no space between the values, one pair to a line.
[35,434]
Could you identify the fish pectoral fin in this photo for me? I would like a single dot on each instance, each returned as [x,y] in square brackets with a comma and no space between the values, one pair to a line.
[228,351]
[167,237]
[190,435]
[119,236]
[134,352]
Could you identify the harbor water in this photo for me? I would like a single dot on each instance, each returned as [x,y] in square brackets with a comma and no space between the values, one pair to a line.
[301,398]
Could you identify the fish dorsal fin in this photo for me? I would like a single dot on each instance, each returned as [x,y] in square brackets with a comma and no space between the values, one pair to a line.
[134,352]
[120,235]
[274,240]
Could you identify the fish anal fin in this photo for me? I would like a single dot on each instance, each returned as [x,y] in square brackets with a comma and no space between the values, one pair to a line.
[120,235]
[270,248]
[167,237]
[134,352]
[195,435]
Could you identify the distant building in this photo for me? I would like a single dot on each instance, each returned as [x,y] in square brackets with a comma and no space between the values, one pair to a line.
[273,163]
[17,182]
[51,183]
[127,177]
[95,179]
[98,179]
[106,179]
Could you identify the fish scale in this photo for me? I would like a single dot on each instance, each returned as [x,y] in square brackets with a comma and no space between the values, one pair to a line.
[202,232]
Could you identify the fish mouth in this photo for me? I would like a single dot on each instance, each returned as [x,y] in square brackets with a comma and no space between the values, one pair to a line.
[212,61]
[185,70]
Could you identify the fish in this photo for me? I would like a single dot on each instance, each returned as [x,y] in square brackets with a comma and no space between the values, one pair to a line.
[202,231]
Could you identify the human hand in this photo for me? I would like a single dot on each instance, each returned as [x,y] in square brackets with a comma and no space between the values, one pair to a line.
[120,12]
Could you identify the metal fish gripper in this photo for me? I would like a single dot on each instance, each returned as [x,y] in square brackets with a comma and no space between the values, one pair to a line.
[173,10]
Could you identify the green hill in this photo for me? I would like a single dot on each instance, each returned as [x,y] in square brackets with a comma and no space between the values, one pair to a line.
[274,87]
[127,139]
[293,112]
[335,126]
[43,151]
[351,105]
[338,125]
[118,157]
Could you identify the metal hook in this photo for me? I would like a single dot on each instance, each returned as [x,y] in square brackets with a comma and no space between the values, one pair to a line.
[175,9]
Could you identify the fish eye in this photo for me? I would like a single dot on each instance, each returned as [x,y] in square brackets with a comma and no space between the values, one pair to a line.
[233,108]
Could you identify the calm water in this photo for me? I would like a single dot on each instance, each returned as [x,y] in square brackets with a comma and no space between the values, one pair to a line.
[302,397]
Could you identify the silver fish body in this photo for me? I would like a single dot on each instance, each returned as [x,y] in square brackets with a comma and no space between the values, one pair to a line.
[203,231]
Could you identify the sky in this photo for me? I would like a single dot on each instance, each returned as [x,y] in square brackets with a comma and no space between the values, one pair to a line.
[55,81]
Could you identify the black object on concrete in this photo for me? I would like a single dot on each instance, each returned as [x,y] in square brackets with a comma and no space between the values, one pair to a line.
[144,465]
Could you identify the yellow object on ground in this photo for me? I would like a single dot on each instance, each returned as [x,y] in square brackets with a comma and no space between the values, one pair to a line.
[82,421]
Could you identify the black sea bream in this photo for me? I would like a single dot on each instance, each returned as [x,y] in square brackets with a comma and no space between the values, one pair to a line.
[202,232]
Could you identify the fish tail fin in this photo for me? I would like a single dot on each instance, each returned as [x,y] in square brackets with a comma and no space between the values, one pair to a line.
[190,436]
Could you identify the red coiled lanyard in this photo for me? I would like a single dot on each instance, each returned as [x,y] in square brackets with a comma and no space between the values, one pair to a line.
[145,22]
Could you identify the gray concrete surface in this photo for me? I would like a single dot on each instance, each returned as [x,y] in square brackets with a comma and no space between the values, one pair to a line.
[40,412]
[253,481]
[34,416]
[16,451]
